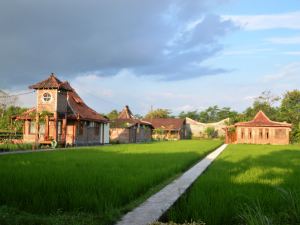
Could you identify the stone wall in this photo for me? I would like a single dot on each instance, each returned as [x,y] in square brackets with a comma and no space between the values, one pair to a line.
[197,129]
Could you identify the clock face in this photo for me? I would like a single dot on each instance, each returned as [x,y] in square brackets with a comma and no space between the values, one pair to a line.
[46,97]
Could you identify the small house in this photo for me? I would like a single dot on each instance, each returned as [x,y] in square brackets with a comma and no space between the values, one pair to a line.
[62,116]
[260,130]
[129,129]
[168,128]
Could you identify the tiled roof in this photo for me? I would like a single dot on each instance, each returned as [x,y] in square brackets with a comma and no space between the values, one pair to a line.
[129,123]
[51,82]
[261,120]
[127,119]
[77,109]
[167,123]
[26,115]
[81,110]
[126,113]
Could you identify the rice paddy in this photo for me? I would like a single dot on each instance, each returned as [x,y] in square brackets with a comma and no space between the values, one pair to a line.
[92,185]
[246,184]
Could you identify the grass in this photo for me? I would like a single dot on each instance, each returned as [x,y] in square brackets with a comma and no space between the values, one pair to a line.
[15,147]
[93,185]
[247,184]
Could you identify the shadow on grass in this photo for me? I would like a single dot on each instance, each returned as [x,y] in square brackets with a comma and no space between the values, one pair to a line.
[83,187]
[244,181]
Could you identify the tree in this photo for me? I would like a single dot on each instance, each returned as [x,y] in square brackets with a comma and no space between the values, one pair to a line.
[290,107]
[226,112]
[211,132]
[190,114]
[113,115]
[6,118]
[209,115]
[138,116]
[159,113]
[215,114]
[290,112]
[6,100]
[264,102]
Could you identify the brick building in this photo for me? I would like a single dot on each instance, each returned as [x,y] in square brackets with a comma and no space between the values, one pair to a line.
[168,128]
[61,115]
[260,130]
[128,129]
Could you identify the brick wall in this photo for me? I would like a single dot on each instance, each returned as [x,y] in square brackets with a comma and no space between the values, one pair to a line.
[263,135]
[119,134]
[50,106]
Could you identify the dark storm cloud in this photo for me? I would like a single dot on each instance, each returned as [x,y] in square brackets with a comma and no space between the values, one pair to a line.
[71,37]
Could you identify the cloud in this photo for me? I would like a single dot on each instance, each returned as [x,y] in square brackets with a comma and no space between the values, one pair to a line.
[284,40]
[71,37]
[288,72]
[295,53]
[288,20]
[250,51]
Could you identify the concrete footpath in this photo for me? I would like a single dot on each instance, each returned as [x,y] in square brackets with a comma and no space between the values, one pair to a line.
[155,206]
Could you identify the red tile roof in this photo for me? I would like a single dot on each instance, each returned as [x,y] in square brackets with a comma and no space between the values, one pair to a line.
[126,113]
[167,123]
[25,115]
[77,109]
[51,82]
[126,117]
[261,120]
[81,110]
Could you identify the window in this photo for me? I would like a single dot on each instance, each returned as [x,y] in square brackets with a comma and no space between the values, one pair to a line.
[250,133]
[242,133]
[80,128]
[46,97]
[97,128]
[267,133]
[32,127]
[59,127]
[42,128]
[261,133]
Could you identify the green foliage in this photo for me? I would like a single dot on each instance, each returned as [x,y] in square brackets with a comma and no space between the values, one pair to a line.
[264,102]
[91,185]
[210,132]
[159,113]
[172,223]
[242,187]
[6,122]
[211,114]
[15,147]
[290,112]
[190,114]
[254,215]
[113,114]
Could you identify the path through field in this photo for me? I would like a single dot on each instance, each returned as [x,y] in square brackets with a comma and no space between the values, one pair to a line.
[153,208]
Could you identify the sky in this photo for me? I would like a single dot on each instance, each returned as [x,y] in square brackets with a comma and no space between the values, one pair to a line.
[177,54]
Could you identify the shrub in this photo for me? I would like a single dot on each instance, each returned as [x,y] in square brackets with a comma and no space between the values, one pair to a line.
[210,132]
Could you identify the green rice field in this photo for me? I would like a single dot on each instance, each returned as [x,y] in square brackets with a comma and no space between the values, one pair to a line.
[247,184]
[92,185]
